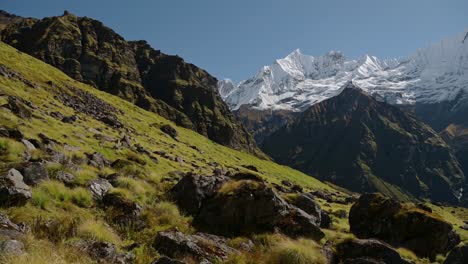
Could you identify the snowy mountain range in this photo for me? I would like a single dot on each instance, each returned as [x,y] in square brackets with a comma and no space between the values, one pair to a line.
[433,74]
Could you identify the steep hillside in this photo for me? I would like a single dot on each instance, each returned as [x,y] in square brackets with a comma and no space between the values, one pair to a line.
[365,145]
[88,51]
[87,177]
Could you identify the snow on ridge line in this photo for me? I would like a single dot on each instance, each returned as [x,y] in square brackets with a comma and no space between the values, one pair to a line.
[436,73]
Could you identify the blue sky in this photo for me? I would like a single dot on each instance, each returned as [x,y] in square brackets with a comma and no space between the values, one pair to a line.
[233,39]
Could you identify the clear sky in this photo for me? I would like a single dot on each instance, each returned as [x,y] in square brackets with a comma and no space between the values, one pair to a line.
[234,38]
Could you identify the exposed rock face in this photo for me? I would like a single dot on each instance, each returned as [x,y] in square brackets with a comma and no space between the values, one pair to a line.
[203,247]
[367,251]
[193,189]
[13,190]
[88,51]
[458,255]
[262,123]
[361,144]
[401,225]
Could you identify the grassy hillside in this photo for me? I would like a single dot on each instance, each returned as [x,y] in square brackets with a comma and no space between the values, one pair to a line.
[60,215]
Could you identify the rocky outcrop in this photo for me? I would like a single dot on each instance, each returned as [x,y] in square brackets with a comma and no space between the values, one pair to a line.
[241,205]
[200,246]
[90,52]
[365,145]
[13,190]
[254,208]
[401,225]
[458,255]
[367,251]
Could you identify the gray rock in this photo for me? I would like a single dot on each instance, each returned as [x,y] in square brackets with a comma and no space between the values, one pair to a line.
[306,202]
[34,173]
[200,246]
[29,146]
[65,177]
[8,229]
[97,160]
[190,192]
[168,129]
[99,187]
[13,190]
[104,252]
[367,251]
[11,247]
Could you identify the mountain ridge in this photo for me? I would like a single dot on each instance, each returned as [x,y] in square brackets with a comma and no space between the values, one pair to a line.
[88,51]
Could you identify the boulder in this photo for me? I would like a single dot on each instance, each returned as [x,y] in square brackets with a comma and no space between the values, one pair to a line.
[169,130]
[306,202]
[367,251]
[70,119]
[122,211]
[65,177]
[193,189]
[11,247]
[29,146]
[8,229]
[104,252]
[34,173]
[99,187]
[13,190]
[245,207]
[97,160]
[401,225]
[458,255]
[200,246]
[18,108]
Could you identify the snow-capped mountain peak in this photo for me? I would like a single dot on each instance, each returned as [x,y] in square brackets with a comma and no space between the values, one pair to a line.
[297,81]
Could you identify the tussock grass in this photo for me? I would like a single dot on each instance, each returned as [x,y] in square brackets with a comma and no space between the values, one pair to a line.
[44,252]
[300,251]
[98,231]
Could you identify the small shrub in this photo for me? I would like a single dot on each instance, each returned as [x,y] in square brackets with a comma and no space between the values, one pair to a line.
[301,251]
[163,216]
[231,187]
